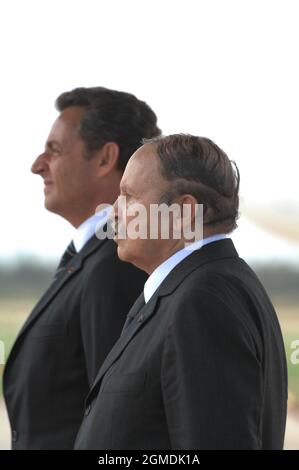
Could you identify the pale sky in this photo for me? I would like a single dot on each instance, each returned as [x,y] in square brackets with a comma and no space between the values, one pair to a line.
[227,70]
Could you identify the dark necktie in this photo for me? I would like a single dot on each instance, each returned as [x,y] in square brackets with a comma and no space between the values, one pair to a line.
[140,302]
[66,257]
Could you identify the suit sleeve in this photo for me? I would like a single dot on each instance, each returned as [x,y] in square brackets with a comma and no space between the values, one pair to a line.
[108,294]
[211,377]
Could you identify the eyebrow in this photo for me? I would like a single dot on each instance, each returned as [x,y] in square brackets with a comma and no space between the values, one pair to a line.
[52,143]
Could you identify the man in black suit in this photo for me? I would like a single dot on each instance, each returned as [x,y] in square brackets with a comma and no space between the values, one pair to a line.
[67,336]
[200,363]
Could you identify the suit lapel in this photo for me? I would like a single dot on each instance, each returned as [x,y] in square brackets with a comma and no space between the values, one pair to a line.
[62,278]
[212,252]
[50,293]
[144,315]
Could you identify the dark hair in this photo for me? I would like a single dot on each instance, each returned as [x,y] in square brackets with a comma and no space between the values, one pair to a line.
[200,168]
[111,116]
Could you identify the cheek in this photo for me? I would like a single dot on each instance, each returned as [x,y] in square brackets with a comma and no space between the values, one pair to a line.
[69,182]
[124,217]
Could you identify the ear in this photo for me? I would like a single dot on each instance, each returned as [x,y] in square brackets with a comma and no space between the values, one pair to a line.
[107,158]
[190,203]
[188,222]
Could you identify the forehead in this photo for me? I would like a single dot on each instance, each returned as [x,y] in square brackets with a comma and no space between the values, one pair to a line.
[67,124]
[142,171]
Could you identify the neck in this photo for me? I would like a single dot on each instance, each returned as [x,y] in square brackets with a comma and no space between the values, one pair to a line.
[168,251]
[79,216]
[77,219]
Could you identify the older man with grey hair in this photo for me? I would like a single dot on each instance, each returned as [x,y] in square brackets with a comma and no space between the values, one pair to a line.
[200,363]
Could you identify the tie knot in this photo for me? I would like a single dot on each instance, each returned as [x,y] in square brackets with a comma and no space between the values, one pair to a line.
[67,256]
[71,250]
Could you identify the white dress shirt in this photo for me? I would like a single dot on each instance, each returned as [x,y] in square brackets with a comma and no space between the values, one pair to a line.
[89,227]
[160,273]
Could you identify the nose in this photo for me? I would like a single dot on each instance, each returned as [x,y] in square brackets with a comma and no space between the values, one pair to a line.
[39,164]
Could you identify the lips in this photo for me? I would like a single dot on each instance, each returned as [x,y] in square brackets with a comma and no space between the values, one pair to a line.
[47,185]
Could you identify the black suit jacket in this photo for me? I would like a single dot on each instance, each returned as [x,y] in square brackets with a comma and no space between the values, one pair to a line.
[202,366]
[63,343]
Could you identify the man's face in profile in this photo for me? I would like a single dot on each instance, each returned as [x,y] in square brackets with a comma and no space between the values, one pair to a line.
[142,184]
[69,177]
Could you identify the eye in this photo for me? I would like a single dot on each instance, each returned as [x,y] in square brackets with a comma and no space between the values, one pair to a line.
[52,148]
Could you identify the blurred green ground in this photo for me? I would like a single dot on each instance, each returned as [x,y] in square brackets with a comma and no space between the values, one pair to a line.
[13,313]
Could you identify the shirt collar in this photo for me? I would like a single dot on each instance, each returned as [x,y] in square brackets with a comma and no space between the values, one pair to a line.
[89,227]
[162,271]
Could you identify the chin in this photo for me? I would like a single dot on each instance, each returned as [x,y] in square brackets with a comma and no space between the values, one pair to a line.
[121,252]
[50,205]
[127,256]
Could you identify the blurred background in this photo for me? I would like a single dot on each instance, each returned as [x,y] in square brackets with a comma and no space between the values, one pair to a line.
[225,70]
